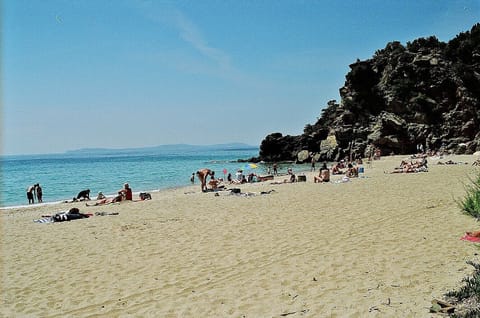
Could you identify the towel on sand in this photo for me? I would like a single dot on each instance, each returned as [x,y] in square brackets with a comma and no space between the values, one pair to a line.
[45,220]
[470,238]
[63,216]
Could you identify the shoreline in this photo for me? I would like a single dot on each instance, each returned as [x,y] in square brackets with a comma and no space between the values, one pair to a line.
[135,194]
[384,245]
[49,203]
[65,176]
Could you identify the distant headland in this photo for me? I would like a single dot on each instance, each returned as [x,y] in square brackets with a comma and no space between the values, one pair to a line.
[165,148]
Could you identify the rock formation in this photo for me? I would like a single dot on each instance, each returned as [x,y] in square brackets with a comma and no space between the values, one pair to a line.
[427,92]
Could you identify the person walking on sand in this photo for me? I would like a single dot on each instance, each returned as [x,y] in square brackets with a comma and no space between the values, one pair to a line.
[202,175]
[275,169]
[30,194]
[38,189]
[313,163]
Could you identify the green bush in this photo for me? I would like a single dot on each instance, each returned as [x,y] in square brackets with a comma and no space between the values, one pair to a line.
[471,203]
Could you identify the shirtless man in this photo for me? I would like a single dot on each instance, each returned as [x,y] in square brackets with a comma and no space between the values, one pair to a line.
[30,194]
[202,175]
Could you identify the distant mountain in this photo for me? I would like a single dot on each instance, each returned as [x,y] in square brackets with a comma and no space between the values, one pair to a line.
[165,148]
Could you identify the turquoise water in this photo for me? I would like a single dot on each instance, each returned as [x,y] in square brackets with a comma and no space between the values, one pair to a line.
[62,176]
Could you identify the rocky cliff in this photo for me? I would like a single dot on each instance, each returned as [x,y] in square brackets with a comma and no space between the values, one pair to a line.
[427,92]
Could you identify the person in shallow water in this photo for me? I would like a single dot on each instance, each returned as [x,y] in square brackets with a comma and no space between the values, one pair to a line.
[30,194]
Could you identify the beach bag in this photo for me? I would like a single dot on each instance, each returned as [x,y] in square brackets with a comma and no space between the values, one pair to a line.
[145,196]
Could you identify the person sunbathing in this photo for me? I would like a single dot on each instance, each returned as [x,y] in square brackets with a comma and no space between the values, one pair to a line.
[213,183]
[292,179]
[72,214]
[473,234]
[118,198]
[105,201]
[336,169]
[352,172]
[323,175]
[406,168]
[448,162]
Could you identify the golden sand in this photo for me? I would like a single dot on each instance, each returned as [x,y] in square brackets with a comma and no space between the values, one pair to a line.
[384,245]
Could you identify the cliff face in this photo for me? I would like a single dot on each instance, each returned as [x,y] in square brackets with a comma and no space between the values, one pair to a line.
[427,92]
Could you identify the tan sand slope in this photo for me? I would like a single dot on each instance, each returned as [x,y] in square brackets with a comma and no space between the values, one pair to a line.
[380,246]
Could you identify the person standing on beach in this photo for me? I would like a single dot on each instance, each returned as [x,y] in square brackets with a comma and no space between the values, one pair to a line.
[275,169]
[192,178]
[202,175]
[313,163]
[38,189]
[30,194]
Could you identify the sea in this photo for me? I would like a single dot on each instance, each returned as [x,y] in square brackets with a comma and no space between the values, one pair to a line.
[63,176]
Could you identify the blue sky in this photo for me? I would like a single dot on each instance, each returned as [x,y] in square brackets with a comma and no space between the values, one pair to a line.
[120,74]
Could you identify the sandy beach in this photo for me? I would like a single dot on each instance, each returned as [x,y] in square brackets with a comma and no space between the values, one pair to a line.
[384,245]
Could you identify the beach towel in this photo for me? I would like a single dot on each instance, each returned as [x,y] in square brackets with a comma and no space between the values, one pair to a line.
[62,216]
[470,238]
[106,213]
[44,220]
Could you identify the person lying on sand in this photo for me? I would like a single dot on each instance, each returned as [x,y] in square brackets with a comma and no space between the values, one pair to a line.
[411,166]
[473,234]
[123,194]
[72,214]
[105,201]
[292,179]
[450,162]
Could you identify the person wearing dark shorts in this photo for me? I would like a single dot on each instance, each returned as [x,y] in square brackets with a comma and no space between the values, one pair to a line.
[39,191]
[30,194]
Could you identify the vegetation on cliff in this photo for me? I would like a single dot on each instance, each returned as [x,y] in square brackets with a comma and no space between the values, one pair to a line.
[425,92]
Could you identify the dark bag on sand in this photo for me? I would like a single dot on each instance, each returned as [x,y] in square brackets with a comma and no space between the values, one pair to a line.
[236,190]
[145,196]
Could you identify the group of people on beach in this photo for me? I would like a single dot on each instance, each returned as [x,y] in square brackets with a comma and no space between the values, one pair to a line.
[208,181]
[214,183]
[124,194]
[410,166]
[34,191]
[350,170]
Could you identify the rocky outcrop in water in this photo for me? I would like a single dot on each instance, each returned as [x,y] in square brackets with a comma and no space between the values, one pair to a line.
[427,92]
